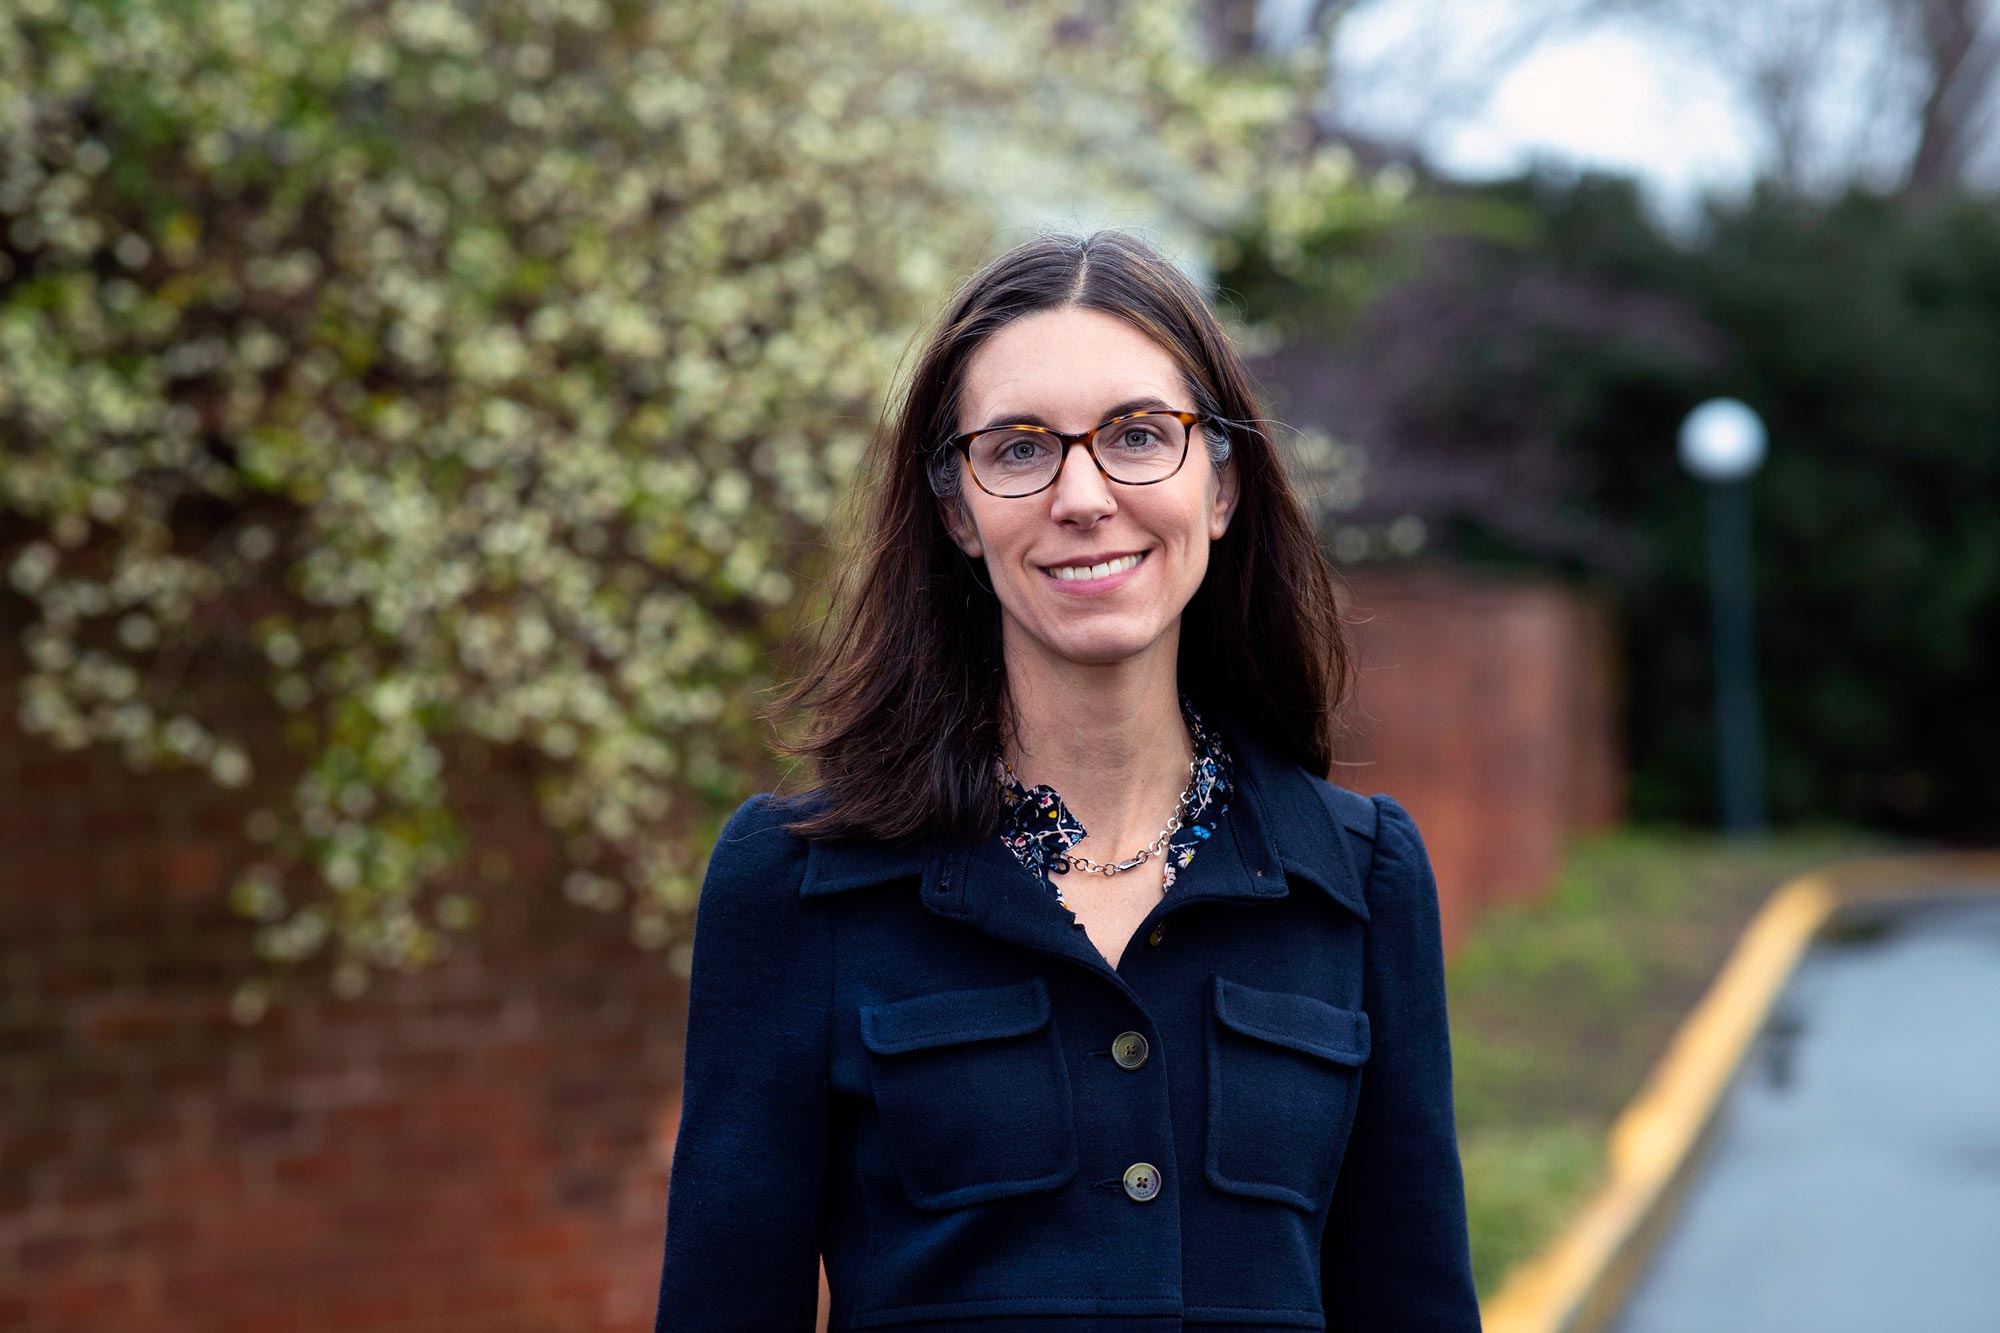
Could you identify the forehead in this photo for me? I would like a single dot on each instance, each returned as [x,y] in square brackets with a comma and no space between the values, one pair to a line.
[1064,366]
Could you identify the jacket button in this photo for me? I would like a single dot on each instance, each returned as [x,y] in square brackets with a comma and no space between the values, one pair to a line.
[1159,930]
[1142,1181]
[1129,1050]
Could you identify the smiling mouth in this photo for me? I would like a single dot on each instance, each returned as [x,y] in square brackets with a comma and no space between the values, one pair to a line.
[1077,573]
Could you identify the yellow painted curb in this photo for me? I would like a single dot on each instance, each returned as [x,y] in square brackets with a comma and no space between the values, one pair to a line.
[1578,1283]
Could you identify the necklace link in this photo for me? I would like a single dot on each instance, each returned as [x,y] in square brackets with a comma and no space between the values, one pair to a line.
[1153,848]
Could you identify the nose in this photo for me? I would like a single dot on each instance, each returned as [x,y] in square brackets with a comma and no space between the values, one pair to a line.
[1082,493]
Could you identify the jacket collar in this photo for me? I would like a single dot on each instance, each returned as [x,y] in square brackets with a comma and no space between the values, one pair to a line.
[1285,825]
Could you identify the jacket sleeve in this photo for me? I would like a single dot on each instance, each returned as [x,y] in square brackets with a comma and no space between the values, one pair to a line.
[1395,1255]
[743,1194]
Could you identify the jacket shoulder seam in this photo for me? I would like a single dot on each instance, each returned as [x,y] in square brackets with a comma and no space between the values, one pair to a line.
[1375,845]
[1348,808]
[754,842]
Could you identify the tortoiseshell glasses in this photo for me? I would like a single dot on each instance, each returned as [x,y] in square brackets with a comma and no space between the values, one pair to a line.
[1137,449]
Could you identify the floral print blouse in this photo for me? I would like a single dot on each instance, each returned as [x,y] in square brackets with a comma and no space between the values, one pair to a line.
[1039,829]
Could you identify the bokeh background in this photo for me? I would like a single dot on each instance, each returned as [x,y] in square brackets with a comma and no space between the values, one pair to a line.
[424,424]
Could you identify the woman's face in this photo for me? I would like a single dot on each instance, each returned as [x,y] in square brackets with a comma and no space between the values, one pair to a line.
[1071,370]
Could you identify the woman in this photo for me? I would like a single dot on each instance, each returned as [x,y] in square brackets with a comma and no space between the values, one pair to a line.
[1072,997]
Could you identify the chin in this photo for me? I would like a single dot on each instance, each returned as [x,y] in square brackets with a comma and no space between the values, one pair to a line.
[1088,640]
[1100,649]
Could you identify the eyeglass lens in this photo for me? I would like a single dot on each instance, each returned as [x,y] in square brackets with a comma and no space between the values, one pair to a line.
[1136,450]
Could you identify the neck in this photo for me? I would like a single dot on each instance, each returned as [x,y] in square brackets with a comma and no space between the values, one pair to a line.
[1108,737]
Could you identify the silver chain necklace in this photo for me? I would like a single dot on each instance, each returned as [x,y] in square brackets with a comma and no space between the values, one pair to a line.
[1151,849]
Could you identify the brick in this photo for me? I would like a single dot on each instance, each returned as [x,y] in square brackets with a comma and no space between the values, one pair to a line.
[374,1309]
[579,1285]
[76,1301]
[150,1235]
[260,1232]
[105,823]
[365,1122]
[257,1122]
[51,774]
[34,1147]
[318,1171]
[119,1020]
[36,1038]
[94,1184]
[588,1191]
[192,870]
[548,1241]
[96,1083]
[43,877]
[50,1256]
[214,1180]
[138,1132]
[390,1214]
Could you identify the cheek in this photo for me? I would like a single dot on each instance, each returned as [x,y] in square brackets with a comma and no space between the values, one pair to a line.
[1188,525]
[1197,563]
[1003,533]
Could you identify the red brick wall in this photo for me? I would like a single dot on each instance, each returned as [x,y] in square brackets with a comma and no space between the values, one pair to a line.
[480,1147]
[1489,707]
[484,1146]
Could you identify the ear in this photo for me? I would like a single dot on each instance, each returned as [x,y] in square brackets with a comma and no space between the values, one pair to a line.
[958,522]
[1223,505]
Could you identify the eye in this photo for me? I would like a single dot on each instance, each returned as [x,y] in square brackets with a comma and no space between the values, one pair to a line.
[1014,451]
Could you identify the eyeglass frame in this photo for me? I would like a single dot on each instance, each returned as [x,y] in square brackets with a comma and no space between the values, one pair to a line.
[1189,420]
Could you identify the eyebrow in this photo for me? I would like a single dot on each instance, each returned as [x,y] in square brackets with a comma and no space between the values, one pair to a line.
[1031,419]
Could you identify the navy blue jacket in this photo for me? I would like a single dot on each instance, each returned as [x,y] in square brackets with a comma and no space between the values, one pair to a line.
[908,1059]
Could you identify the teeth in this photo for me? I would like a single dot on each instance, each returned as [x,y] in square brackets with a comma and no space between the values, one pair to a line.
[1070,573]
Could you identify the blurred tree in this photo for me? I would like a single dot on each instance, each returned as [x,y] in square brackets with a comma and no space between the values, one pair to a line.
[1522,396]
[1928,74]
[1958,46]
[474,373]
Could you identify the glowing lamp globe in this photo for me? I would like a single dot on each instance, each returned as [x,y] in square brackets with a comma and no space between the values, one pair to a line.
[1722,440]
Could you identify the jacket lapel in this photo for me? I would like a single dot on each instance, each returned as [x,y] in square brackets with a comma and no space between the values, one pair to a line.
[987,888]
[1293,825]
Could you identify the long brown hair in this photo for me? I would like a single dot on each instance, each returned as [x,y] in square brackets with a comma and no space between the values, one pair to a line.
[905,689]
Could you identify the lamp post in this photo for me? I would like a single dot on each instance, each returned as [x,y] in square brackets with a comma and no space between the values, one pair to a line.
[1722,444]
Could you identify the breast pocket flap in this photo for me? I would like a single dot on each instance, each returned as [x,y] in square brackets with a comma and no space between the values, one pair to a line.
[1301,1022]
[950,1017]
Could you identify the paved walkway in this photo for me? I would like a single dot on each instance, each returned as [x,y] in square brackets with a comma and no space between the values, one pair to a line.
[1854,1179]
